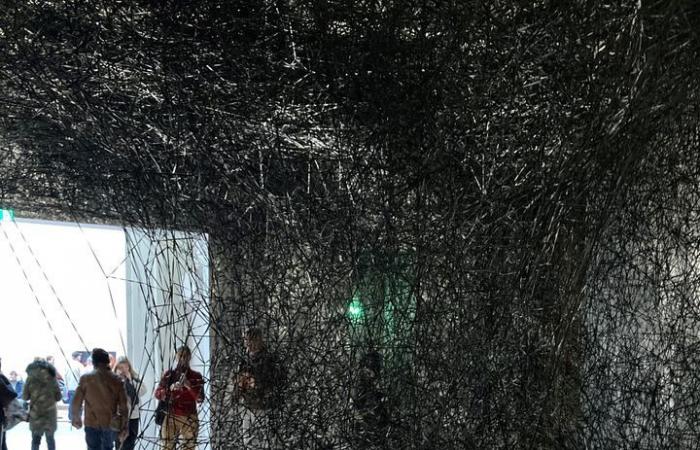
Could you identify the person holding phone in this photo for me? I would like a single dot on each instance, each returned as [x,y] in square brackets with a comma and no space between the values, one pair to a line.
[182,389]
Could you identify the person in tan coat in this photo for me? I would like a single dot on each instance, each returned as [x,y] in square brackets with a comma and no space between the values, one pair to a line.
[106,409]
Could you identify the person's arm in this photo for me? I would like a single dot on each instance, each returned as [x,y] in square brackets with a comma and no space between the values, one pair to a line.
[192,389]
[142,388]
[7,394]
[233,390]
[162,388]
[25,392]
[200,388]
[123,411]
[77,403]
[57,395]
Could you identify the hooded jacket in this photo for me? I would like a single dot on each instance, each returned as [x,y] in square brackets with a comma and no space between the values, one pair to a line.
[42,392]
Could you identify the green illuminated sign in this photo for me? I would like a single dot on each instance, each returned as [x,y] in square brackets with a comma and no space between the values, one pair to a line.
[356,310]
[7,214]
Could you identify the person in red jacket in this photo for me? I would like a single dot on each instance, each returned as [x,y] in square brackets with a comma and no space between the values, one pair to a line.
[181,388]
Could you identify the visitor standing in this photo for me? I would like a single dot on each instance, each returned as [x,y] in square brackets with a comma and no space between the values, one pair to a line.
[59,377]
[371,415]
[42,392]
[181,389]
[87,367]
[134,390]
[73,374]
[259,385]
[16,382]
[7,394]
[104,398]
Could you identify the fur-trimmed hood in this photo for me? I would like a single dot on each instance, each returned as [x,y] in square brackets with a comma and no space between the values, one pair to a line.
[38,366]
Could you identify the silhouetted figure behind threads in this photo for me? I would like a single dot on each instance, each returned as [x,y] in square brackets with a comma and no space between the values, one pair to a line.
[259,386]
[369,402]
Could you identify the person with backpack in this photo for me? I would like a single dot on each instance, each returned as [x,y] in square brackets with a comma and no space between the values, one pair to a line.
[259,386]
[180,389]
[42,392]
[134,390]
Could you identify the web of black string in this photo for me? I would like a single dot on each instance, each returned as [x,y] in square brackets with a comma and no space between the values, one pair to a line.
[148,290]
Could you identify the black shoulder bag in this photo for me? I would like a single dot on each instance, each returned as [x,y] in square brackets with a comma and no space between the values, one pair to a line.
[164,405]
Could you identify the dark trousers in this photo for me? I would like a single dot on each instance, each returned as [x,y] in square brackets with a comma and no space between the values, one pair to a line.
[99,438]
[50,441]
[3,438]
[130,442]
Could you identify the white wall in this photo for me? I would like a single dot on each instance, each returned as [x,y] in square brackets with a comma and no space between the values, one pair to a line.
[168,306]
[60,282]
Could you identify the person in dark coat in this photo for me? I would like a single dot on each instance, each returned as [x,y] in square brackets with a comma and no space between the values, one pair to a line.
[7,394]
[259,383]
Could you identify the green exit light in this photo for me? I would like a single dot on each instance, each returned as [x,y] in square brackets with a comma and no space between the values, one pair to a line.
[7,214]
[356,310]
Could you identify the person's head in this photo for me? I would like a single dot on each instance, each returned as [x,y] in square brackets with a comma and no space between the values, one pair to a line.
[100,358]
[123,368]
[253,340]
[77,356]
[112,361]
[13,376]
[183,356]
[51,360]
[372,361]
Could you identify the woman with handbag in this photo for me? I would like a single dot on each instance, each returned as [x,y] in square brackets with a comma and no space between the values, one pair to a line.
[134,390]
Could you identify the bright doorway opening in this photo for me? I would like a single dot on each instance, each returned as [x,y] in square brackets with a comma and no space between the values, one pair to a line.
[71,287]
